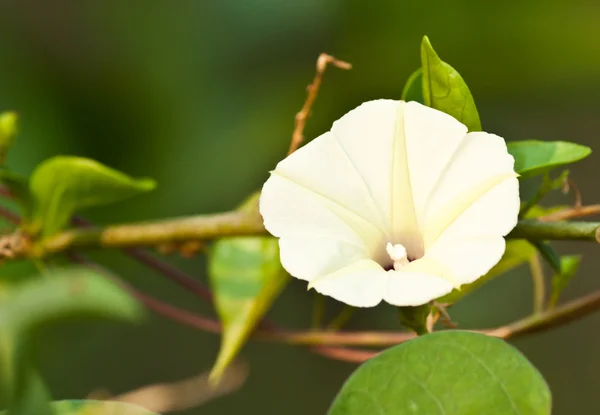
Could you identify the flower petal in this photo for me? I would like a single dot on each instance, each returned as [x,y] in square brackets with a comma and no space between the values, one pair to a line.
[467,258]
[431,139]
[414,288]
[478,193]
[323,170]
[309,257]
[366,135]
[361,284]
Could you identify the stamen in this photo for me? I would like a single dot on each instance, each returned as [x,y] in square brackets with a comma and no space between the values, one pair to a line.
[398,254]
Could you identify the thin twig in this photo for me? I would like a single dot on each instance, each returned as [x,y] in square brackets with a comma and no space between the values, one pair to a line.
[313,91]
[569,185]
[185,394]
[570,213]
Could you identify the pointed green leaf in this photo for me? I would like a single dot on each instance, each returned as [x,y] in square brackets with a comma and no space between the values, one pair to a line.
[443,373]
[518,252]
[534,157]
[8,131]
[569,265]
[63,184]
[246,277]
[413,90]
[445,90]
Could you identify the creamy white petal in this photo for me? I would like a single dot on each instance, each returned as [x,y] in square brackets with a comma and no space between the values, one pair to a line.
[308,257]
[467,258]
[367,136]
[414,288]
[432,139]
[292,210]
[361,284]
[478,193]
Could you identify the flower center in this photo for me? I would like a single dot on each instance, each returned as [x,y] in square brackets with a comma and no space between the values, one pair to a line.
[398,254]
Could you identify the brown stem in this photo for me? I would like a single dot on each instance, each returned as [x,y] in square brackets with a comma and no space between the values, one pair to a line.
[570,213]
[313,91]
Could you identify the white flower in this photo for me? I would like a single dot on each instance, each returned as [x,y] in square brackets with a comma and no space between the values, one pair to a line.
[396,203]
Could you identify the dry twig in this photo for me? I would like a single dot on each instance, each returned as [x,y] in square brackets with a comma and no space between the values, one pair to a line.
[313,90]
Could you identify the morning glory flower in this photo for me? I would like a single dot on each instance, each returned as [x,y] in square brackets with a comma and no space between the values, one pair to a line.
[397,202]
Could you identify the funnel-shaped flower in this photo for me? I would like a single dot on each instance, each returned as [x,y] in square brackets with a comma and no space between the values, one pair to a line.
[396,203]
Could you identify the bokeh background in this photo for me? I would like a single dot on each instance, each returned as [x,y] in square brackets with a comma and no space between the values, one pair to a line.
[201,96]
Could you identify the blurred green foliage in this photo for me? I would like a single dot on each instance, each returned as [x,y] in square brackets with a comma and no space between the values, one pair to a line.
[201,96]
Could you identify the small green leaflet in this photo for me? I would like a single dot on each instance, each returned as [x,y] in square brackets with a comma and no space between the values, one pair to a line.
[443,373]
[569,265]
[62,185]
[246,277]
[8,131]
[445,90]
[534,157]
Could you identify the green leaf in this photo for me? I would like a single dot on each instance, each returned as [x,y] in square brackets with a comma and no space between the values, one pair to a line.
[569,265]
[534,157]
[55,296]
[8,131]
[65,293]
[413,90]
[518,251]
[246,277]
[444,89]
[443,373]
[88,407]
[63,184]
[30,394]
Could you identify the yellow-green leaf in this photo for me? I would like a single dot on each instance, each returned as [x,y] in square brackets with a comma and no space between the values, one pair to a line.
[62,185]
[569,265]
[8,132]
[518,252]
[445,90]
[246,277]
[533,157]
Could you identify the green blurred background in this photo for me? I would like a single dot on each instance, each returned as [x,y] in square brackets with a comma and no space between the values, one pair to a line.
[201,95]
